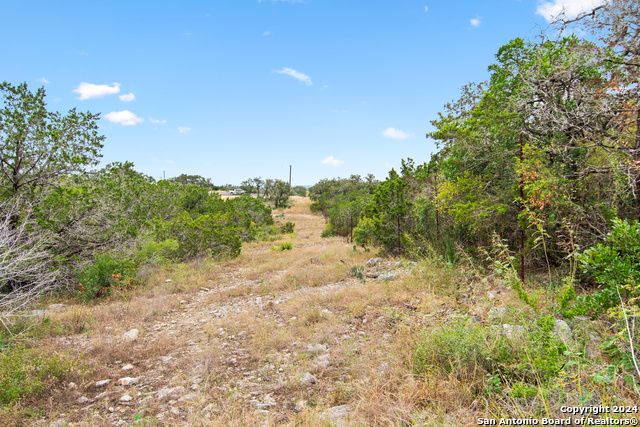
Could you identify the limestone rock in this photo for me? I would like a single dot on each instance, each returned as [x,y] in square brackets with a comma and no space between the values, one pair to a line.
[131,335]
[308,379]
[373,262]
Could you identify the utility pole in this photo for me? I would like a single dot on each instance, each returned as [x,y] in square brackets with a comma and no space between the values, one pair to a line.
[289,176]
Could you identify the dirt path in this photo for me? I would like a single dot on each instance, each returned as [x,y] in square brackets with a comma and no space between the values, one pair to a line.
[270,338]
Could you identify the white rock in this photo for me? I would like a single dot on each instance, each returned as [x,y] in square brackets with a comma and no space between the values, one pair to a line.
[127,367]
[126,398]
[373,261]
[131,335]
[308,379]
[497,313]
[165,392]
[174,410]
[82,400]
[318,348]
[300,405]
[187,397]
[128,381]
[102,383]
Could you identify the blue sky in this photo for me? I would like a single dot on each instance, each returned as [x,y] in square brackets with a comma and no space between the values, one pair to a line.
[235,89]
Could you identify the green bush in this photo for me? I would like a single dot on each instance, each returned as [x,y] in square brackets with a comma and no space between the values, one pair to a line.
[25,373]
[529,356]
[329,231]
[209,235]
[615,265]
[286,246]
[105,273]
[287,228]
[152,252]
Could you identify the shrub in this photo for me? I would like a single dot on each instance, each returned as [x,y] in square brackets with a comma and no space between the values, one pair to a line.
[287,228]
[286,246]
[103,274]
[209,235]
[25,373]
[615,265]
[156,253]
[329,231]
[528,357]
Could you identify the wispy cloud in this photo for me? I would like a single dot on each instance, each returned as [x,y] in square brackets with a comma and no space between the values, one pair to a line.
[426,8]
[396,134]
[127,97]
[475,22]
[550,10]
[183,129]
[266,33]
[171,162]
[88,90]
[332,161]
[43,80]
[296,75]
[125,118]
[156,121]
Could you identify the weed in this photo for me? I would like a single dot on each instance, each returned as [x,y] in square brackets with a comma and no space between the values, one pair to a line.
[26,373]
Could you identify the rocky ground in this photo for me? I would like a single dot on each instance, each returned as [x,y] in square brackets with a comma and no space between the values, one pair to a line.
[243,342]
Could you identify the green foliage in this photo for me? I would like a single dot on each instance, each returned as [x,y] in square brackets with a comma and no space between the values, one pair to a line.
[299,190]
[278,192]
[357,272]
[531,357]
[105,273]
[287,228]
[212,235]
[615,265]
[343,201]
[28,373]
[196,180]
[286,246]
[151,252]
[329,231]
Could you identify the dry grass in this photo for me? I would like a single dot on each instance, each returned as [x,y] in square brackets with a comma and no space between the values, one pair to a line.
[257,318]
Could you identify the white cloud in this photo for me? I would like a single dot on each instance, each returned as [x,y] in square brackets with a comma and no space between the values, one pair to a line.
[426,8]
[43,80]
[157,121]
[266,33]
[296,75]
[475,22]
[171,162]
[183,129]
[125,118]
[88,90]
[550,10]
[332,161]
[397,134]
[127,97]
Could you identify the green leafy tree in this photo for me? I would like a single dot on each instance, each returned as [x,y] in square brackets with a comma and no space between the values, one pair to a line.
[37,147]
[198,180]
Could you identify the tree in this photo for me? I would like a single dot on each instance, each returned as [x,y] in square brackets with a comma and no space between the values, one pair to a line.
[279,193]
[258,183]
[39,146]
[198,180]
